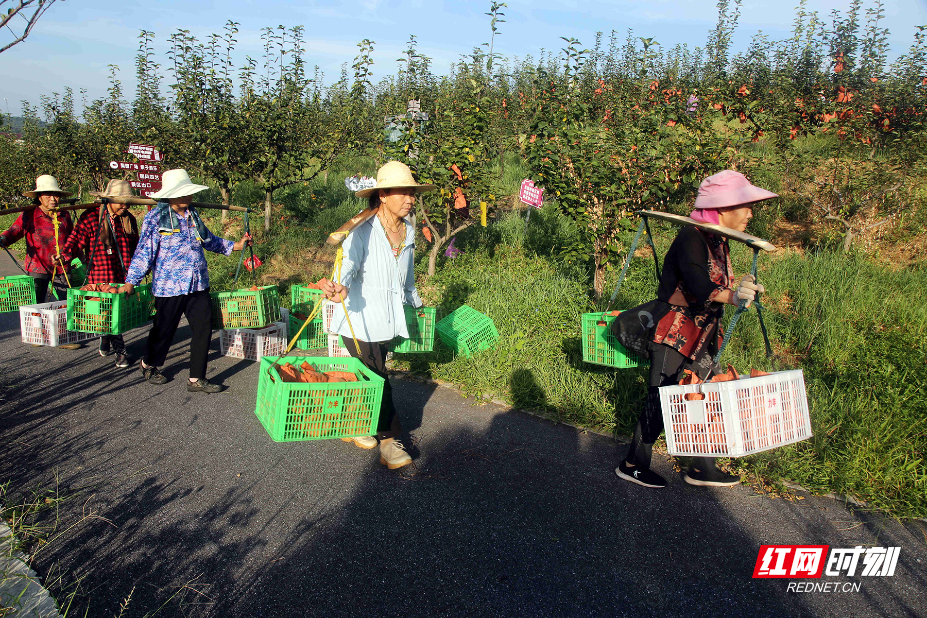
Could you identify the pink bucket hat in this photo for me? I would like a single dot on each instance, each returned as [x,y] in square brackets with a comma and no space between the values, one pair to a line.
[729,188]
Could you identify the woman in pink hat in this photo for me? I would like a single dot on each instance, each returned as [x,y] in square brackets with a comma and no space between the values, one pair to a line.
[697,281]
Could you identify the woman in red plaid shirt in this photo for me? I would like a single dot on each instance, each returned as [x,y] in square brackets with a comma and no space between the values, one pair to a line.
[108,236]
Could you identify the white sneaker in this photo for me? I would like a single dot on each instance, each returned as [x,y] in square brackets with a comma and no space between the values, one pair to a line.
[393,454]
[365,442]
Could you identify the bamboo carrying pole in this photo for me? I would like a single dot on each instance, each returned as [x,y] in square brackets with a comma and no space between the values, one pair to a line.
[342,232]
[749,240]
[69,202]
[132,201]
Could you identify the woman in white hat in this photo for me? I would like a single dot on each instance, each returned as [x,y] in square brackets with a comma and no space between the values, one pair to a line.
[696,283]
[171,245]
[37,225]
[108,236]
[377,278]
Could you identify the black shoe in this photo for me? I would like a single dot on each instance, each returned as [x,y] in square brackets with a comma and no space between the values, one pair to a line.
[641,476]
[105,349]
[709,478]
[152,374]
[203,386]
[122,361]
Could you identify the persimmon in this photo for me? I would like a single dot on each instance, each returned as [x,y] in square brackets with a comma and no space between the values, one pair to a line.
[288,373]
[343,376]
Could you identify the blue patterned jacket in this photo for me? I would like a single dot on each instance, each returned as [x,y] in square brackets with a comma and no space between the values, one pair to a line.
[177,259]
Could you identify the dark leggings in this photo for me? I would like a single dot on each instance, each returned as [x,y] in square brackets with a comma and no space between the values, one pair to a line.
[42,293]
[666,368]
[374,356]
[168,310]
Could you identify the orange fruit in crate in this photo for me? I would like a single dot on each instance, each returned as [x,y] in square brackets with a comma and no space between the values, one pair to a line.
[288,373]
[341,376]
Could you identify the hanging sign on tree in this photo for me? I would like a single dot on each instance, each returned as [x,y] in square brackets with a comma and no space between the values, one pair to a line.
[134,167]
[144,152]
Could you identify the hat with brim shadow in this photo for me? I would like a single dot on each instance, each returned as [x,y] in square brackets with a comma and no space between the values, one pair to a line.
[46,184]
[177,183]
[728,189]
[115,188]
[395,175]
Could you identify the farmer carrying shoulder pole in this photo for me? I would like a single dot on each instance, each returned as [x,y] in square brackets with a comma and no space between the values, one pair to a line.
[171,246]
[697,281]
[377,279]
[38,226]
[108,236]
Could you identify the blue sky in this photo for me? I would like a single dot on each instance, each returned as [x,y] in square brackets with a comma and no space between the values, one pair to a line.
[77,39]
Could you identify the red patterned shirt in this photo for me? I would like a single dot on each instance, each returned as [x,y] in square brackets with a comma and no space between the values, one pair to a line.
[39,231]
[697,267]
[106,267]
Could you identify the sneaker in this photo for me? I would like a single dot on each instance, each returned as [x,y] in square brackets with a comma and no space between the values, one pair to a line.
[105,348]
[152,375]
[203,385]
[393,454]
[641,476]
[364,442]
[122,361]
[710,478]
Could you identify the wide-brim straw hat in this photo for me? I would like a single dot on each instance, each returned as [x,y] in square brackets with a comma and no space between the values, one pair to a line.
[115,188]
[46,184]
[395,175]
[728,189]
[177,183]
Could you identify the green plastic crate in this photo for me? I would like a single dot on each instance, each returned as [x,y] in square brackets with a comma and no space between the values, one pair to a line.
[16,291]
[313,336]
[245,308]
[109,314]
[600,346]
[467,331]
[421,325]
[292,411]
[304,298]
[78,274]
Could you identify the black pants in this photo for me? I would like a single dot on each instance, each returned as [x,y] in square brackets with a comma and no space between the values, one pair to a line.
[666,368]
[374,356]
[168,310]
[41,287]
[114,342]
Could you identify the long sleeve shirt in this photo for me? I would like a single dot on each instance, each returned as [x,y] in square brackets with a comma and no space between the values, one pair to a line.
[85,239]
[39,230]
[177,260]
[378,283]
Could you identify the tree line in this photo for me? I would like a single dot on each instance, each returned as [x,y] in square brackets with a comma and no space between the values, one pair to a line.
[625,124]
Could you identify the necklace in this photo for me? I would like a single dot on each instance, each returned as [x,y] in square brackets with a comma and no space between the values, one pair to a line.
[391,229]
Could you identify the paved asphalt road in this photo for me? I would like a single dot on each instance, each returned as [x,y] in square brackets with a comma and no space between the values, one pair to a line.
[182,501]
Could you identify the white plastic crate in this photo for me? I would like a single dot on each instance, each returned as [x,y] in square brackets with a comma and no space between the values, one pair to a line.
[736,418]
[328,314]
[46,324]
[335,349]
[255,343]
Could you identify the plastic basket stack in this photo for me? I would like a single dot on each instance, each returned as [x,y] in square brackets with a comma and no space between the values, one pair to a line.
[467,331]
[16,291]
[47,324]
[250,308]
[255,343]
[292,411]
[737,418]
[107,313]
[599,344]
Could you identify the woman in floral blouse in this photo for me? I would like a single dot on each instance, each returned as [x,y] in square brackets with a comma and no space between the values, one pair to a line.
[697,281]
[171,247]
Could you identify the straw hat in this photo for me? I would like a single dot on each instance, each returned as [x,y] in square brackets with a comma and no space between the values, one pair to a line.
[46,184]
[395,175]
[727,189]
[177,183]
[115,188]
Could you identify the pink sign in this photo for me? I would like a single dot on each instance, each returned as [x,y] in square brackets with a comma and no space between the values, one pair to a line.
[134,167]
[144,152]
[531,195]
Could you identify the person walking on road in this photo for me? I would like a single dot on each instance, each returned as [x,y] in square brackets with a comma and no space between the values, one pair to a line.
[377,279]
[37,225]
[171,246]
[697,281]
[108,235]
